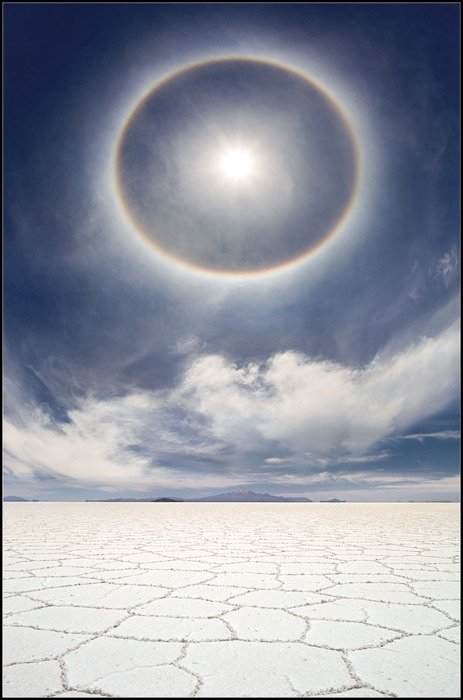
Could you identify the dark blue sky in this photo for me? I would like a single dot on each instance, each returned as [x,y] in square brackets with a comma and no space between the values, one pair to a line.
[127,373]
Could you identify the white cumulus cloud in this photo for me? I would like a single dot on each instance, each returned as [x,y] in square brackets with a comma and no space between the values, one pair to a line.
[320,406]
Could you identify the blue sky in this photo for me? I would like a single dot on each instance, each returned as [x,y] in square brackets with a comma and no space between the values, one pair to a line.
[128,372]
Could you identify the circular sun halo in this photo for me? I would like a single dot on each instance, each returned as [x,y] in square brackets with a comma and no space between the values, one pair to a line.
[236,164]
[236,178]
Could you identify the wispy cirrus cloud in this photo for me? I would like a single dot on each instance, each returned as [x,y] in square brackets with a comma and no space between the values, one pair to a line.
[440,435]
[365,459]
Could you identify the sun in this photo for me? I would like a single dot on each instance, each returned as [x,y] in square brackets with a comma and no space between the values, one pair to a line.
[237,164]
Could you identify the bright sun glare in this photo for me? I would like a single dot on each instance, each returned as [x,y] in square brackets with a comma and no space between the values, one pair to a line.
[236,164]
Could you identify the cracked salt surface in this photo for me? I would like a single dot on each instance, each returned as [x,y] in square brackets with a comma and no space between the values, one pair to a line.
[231,600]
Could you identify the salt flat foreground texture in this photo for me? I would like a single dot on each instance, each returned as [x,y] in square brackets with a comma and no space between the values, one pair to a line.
[240,600]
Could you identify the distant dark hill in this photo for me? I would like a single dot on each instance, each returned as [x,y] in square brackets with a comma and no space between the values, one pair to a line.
[333,500]
[245,496]
[19,499]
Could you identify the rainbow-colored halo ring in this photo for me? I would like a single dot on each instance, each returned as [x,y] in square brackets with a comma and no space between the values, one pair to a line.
[200,236]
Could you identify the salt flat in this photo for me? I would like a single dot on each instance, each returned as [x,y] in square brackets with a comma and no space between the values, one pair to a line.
[240,600]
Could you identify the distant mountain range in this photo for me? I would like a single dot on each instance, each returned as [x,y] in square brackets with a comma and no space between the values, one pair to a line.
[236,496]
